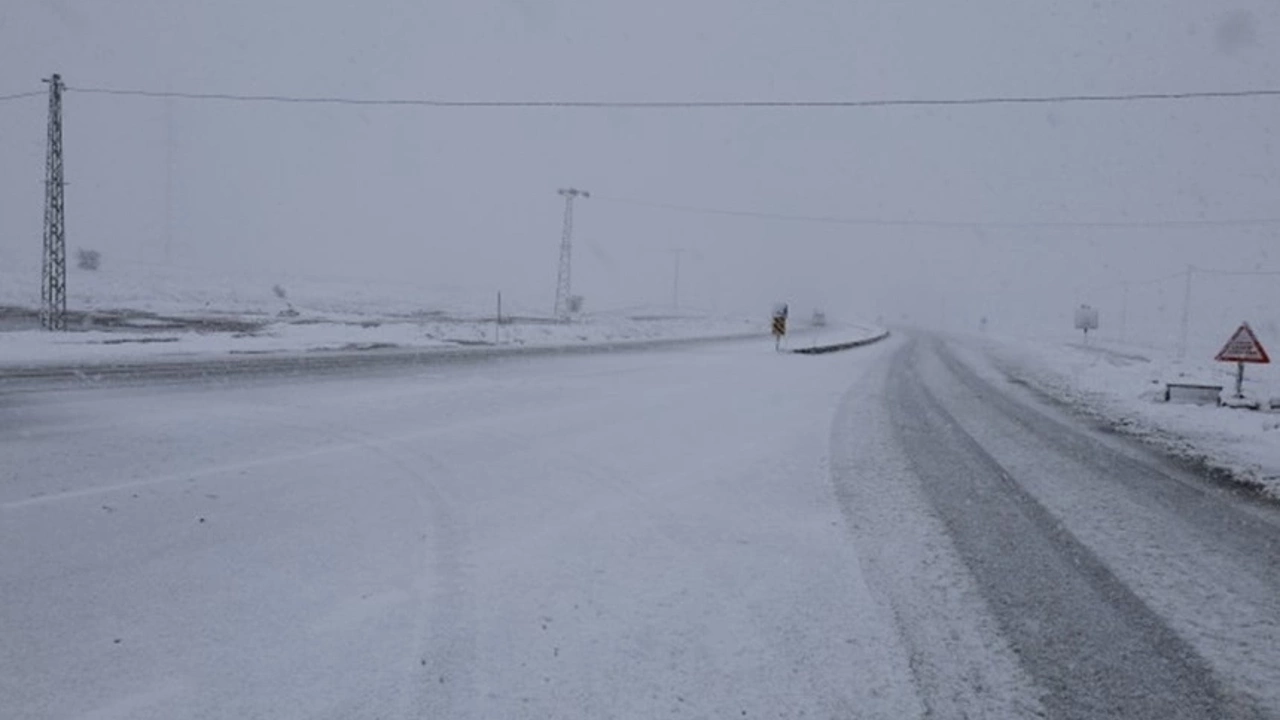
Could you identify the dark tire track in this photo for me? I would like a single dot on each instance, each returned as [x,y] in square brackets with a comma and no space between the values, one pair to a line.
[1093,646]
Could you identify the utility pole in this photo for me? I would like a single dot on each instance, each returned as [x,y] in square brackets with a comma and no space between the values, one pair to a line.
[675,285]
[1186,315]
[1124,314]
[168,181]
[53,276]
[564,279]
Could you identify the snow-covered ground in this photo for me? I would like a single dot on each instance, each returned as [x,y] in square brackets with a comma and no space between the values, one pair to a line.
[179,291]
[171,313]
[1124,386]
[36,347]
[711,530]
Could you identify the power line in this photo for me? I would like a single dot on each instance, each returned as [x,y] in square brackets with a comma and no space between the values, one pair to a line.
[19,96]
[692,104]
[1130,284]
[1181,275]
[945,224]
[1156,281]
[1266,273]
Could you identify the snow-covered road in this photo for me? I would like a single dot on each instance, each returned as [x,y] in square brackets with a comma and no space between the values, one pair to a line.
[611,535]
[704,531]
[1123,585]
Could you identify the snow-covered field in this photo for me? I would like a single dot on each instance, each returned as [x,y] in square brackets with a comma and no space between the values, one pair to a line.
[169,313]
[1124,386]
[179,291]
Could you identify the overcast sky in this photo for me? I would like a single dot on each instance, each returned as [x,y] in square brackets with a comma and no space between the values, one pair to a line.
[466,198]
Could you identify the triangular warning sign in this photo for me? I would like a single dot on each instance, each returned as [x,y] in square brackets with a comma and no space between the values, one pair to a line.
[1243,347]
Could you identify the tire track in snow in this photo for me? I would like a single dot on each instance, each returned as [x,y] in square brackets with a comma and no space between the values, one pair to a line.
[1094,647]
[438,671]
[1202,556]
[961,665]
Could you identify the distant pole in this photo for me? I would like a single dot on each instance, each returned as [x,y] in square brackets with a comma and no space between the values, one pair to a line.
[1186,315]
[564,278]
[168,182]
[1124,314]
[497,324]
[675,284]
[53,285]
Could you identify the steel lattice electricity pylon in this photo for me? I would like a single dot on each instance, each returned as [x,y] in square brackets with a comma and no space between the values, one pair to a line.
[53,287]
[564,279]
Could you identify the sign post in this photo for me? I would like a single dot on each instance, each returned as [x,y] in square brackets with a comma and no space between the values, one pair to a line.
[1086,320]
[780,312]
[1243,347]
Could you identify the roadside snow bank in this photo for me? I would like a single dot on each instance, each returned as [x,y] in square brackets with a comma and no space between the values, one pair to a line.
[1124,386]
[35,347]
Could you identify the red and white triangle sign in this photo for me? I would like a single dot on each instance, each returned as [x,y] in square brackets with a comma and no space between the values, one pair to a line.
[1243,347]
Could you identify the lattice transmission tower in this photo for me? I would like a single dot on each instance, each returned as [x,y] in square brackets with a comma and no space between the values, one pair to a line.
[564,279]
[53,280]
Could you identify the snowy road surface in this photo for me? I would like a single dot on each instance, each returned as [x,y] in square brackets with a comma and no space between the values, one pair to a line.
[710,531]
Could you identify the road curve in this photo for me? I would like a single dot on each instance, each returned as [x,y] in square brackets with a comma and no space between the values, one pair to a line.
[708,530]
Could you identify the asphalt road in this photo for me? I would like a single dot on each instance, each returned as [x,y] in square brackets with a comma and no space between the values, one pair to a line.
[1120,584]
[697,531]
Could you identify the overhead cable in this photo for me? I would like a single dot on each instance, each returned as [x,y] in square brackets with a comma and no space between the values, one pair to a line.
[940,223]
[688,104]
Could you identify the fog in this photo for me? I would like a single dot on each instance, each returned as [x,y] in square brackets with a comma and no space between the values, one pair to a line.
[463,200]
